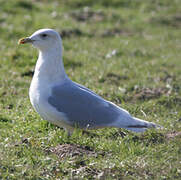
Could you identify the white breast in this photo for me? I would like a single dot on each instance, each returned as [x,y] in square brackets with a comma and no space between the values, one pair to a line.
[39,93]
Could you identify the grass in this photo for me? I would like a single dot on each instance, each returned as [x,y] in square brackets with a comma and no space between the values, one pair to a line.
[126,51]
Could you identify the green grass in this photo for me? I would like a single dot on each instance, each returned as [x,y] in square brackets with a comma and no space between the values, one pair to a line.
[143,76]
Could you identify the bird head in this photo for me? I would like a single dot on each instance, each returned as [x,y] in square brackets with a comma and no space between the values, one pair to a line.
[43,39]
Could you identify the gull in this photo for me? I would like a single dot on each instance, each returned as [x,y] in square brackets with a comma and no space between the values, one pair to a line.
[59,100]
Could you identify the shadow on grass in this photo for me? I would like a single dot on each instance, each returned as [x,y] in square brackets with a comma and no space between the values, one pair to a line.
[151,137]
[4,119]
[72,64]
[112,78]
[27,73]
[87,14]
[170,102]
[105,3]
[116,32]
[25,5]
[75,32]
[174,21]
[68,33]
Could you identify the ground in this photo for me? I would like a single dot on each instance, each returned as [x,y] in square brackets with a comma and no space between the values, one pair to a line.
[126,51]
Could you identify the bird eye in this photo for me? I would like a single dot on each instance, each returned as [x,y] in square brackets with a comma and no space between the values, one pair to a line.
[44,35]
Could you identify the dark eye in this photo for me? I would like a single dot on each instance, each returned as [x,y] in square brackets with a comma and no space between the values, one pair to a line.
[44,35]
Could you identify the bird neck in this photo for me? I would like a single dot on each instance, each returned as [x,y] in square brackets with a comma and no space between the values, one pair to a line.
[50,66]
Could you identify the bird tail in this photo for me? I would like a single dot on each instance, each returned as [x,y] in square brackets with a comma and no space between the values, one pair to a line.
[140,125]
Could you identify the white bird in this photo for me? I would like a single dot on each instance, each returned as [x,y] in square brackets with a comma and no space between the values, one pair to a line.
[68,104]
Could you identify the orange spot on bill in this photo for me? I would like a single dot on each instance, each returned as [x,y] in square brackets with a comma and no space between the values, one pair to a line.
[21,41]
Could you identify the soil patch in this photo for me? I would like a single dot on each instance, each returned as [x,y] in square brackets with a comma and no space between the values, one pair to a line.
[72,150]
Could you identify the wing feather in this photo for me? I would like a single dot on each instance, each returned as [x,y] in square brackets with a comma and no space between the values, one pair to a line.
[82,107]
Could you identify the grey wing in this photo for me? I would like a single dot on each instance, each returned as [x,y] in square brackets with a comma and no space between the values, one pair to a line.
[87,89]
[82,107]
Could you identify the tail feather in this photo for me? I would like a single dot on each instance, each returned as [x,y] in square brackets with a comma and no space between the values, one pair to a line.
[134,124]
[140,125]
